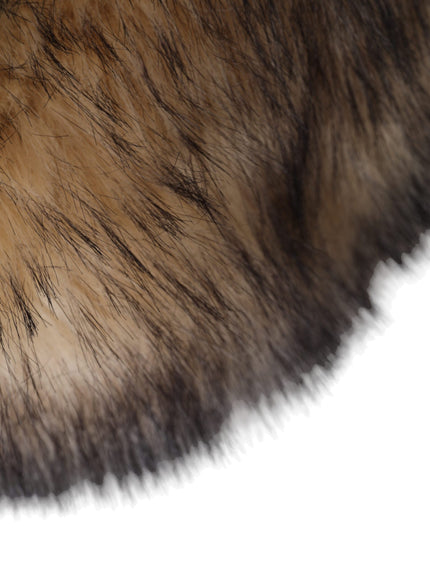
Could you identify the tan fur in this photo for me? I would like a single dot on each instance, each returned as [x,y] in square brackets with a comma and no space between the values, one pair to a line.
[67,166]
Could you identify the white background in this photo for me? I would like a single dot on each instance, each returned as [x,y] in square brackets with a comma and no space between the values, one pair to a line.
[337,488]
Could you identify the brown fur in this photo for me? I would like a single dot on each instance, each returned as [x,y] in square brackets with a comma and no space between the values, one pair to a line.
[194,196]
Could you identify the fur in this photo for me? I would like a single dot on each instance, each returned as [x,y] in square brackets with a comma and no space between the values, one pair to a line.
[194,195]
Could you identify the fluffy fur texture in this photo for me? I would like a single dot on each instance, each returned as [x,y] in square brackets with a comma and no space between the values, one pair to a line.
[193,197]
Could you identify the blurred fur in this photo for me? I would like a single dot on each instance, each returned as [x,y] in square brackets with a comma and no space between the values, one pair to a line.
[193,197]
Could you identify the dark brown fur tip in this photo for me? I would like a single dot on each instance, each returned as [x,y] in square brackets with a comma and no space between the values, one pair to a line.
[194,195]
